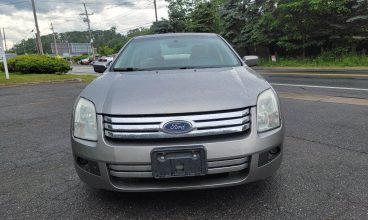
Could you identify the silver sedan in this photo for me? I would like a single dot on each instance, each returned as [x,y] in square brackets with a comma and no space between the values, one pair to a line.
[175,112]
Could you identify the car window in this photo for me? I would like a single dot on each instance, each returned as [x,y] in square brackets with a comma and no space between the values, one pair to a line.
[175,52]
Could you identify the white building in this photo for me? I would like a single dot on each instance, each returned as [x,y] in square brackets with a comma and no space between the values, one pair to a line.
[71,49]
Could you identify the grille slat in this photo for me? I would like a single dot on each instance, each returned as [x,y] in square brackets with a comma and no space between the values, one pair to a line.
[222,123]
[145,171]
[125,127]
[148,127]
[152,119]
[129,168]
[223,163]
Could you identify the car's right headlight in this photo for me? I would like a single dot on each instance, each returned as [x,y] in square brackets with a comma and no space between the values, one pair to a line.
[85,122]
[268,111]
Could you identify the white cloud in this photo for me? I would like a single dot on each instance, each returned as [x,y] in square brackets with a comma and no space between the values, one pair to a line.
[17,16]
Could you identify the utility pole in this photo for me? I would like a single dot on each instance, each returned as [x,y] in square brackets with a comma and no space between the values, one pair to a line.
[2,50]
[6,47]
[24,46]
[89,26]
[53,33]
[36,43]
[155,10]
[38,35]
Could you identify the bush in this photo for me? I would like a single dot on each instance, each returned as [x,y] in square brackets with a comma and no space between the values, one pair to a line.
[327,59]
[38,64]
[75,59]
[335,54]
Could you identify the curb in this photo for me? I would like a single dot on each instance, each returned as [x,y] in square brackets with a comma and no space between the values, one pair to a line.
[42,82]
[313,69]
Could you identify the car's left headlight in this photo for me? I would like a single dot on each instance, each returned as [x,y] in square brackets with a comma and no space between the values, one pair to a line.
[85,122]
[268,111]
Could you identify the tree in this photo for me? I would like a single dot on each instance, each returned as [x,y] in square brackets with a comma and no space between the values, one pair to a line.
[161,26]
[257,29]
[349,28]
[105,50]
[233,19]
[138,32]
[305,23]
[179,10]
[205,17]
[105,40]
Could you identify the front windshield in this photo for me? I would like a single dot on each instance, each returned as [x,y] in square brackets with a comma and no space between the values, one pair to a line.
[176,52]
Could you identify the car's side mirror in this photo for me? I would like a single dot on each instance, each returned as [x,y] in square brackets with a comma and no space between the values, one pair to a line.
[100,67]
[251,60]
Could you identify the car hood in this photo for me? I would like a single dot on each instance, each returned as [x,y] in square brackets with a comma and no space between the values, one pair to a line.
[175,91]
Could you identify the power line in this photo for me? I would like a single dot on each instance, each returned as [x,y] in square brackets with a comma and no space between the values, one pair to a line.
[139,26]
[129,12]
[89,3]
[134,9]
[124,14]
[14,3]
[115,5]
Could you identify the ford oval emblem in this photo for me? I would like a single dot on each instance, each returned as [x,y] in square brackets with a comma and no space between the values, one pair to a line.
[177,127]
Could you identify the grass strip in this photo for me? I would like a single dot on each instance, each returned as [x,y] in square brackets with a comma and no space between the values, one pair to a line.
[18,78]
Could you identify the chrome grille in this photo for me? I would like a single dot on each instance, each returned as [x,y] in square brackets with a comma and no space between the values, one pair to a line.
[145,170]
[148,127]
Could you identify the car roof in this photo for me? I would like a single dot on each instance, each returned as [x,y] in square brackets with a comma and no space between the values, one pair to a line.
[174,34]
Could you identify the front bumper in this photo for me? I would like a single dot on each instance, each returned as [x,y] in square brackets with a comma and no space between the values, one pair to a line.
[252,146]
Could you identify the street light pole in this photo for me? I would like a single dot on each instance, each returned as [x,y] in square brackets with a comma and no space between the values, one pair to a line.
[38,35]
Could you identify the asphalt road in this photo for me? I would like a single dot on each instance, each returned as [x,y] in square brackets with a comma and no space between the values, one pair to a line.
[82,69]
[323,174]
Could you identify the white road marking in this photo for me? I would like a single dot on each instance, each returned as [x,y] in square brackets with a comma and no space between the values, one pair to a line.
[320,98]
[321,87]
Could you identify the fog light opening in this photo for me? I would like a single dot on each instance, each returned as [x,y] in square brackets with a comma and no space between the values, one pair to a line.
[81,161]
[268,156]
[274,151]
[89,166]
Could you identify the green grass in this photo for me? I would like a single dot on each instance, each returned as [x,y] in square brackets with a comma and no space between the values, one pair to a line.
[18,78]
[344,61]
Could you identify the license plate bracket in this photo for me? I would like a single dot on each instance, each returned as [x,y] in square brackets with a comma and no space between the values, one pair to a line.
[179,162]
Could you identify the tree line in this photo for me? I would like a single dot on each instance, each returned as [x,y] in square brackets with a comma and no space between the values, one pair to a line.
[106,41]
[297,28]
[288,27]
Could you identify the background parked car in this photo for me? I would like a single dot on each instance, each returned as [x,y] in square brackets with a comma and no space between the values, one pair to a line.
[100,65]
[85,61]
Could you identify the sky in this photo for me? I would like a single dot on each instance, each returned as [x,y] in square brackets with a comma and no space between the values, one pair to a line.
[16,16]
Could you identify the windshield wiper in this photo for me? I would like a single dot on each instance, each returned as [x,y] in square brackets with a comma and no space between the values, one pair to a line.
[197,67]
[186,67]
[127,69]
